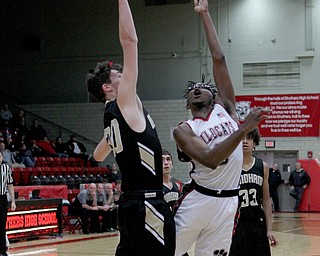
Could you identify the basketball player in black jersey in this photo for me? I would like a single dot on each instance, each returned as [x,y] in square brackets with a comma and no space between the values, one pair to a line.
[170,188]
[253,230]
[145,222]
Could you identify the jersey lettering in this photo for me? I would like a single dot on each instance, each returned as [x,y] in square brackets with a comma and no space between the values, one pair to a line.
[113,137]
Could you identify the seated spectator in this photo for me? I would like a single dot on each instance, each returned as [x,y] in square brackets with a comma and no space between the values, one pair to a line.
[102,205]
[17,117]
[85,206]
[114,174]
[77,149]
[19,125]
[24,156]
[60,147]
[48,149]
[8,156]
[37,132]
[9,144]
[109,222]
[5,115]
[117,185]
[35,149]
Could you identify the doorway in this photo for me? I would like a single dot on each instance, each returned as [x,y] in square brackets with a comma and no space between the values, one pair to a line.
[286,163]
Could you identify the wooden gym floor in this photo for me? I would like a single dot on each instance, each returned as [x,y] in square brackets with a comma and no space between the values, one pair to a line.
[298,235]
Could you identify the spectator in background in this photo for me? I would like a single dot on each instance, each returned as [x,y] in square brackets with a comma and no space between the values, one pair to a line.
[114,174]
[77,149]
[85,206]
[37,132]
[109,223]
[101,204]
[9,144]
[298,181]
[48,149]
[274,181]
[6,115]
[19,124]
[35,149]
[8,156]
[60,147]
[117,186]
[24,156]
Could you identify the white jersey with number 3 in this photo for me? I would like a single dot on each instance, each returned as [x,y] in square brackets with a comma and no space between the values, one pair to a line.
[217,127]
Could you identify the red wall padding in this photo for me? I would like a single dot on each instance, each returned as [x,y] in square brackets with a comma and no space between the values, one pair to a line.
[311,197]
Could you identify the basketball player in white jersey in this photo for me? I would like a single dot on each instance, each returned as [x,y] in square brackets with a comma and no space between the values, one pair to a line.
[212,140]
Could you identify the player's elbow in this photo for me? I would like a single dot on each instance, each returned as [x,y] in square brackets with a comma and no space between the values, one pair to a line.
[129,41]
[219,57]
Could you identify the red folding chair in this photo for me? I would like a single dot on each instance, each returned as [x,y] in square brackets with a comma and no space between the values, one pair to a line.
[70,222]
[16,175]
[56,161]
[72,162]
[40,161]
[49,161]
[65,161]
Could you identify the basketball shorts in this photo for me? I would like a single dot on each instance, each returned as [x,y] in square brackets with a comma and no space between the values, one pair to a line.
[146,228]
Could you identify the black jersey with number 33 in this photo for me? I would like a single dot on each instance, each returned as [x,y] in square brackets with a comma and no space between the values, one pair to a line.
[250,194]
[138,155]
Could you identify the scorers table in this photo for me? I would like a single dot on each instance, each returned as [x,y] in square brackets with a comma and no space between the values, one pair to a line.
[34,218]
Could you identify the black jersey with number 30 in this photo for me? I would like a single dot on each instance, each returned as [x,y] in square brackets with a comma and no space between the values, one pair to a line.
[250,194]
[138,155]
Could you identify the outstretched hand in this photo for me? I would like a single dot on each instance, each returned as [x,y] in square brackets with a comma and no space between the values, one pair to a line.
[201,6]
[256,115]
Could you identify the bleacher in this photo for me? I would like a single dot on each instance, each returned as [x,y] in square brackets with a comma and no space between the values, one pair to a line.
[58,170]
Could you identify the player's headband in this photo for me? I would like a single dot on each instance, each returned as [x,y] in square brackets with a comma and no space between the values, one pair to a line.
[201,85]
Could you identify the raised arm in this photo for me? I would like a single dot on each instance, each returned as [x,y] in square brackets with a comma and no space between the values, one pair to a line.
[221,76]
[127,99]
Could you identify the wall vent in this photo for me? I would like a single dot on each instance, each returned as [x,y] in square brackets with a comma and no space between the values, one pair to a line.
[272,75]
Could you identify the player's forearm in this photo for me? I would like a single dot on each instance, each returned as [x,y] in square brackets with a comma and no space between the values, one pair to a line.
[221,152]
[212,37]
[268,214]
[102,150]
[197,150]
[220,71]
[127,31]
[11,192]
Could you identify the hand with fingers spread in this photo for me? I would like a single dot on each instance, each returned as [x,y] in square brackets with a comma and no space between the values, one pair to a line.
[256,115]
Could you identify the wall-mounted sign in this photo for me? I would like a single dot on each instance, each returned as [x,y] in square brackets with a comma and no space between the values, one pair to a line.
[270,144]
[292,115]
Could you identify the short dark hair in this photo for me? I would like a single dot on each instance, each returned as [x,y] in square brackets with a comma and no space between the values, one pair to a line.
[166,152]
[254,135]
[98,76]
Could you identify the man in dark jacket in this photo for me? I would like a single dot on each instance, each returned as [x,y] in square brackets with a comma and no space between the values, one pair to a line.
[274,181]
[298,181]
